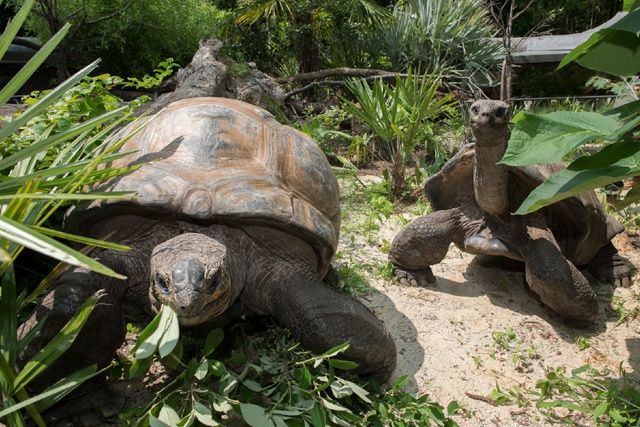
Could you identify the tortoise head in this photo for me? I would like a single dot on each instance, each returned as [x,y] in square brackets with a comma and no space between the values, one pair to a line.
[193,274]
[490,122]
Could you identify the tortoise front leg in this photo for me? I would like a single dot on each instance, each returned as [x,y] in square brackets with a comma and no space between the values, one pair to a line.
[557,281]
[97,342]
[322,318]
[421,244]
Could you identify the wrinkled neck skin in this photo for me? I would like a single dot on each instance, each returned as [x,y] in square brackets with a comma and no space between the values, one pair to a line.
[490,179]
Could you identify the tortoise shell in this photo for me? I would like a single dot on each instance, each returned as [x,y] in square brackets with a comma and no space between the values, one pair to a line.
[223,161]
[580,224]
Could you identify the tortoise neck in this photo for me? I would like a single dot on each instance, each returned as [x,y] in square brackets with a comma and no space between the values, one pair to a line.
[490,179]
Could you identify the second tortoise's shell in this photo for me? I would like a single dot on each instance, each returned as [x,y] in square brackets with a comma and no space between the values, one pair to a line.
[218,160]
[579,224]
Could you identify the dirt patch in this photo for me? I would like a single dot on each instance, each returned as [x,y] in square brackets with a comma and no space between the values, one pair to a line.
[449,334]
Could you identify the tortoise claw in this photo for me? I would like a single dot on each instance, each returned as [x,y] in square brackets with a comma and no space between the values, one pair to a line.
[421,277]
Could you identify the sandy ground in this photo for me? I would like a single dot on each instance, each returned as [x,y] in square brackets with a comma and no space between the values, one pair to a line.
[446,333]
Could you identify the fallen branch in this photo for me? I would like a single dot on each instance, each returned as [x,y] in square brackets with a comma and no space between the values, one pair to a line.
[333,72]
[481,398]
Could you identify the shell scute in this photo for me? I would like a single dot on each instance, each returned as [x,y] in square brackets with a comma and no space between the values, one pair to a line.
[224,160]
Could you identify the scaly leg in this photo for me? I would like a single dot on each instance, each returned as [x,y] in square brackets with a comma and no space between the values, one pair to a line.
[421,244]
[557,281]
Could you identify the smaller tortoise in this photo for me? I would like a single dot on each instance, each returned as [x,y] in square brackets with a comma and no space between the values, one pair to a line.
[472,197]
[235,214]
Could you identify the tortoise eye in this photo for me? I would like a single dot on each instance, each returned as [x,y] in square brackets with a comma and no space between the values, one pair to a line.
[215,280]
[162,285]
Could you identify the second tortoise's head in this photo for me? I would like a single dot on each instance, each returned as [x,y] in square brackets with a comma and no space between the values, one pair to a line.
[193,274]
[490,122]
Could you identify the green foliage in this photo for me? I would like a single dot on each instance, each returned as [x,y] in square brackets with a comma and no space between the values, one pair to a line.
[315,33]
[400,115]
[129,40]
[453,37]
[612,403]
[30,193]
[267,381]
[545,138]
[613,50]
[521,355]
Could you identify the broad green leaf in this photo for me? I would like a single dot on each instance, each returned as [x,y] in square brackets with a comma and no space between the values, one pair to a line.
[305,379]
[632,196]
[214,338]
[318,417]
[613,163]
[629,5]
[168,415]
[332,406]
[252,385]
[151,336]
[614,50]
[401,382]
[170,336]
[546,138]
[203,414]
[340,390]
[202,370]
[345,365]
[254,415]
[38,242]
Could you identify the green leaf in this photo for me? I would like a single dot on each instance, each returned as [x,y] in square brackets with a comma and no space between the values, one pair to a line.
[8,318]
[401,382]
[629,5]
[45,102]
[318,417]
[305,379]
[254,415]
[613,163]
[362,393]
[162,334]
[55,392]
[546,138]
[213,340]
[203,414]
[202,370]
[170,336]
[613,50]
[332,406]
[252,385]
[345,365]
[340,389]
[25,236]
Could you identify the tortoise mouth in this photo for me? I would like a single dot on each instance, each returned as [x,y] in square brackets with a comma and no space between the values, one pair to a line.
[205,313]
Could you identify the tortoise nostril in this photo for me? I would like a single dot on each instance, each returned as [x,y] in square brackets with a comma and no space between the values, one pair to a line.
[183,308]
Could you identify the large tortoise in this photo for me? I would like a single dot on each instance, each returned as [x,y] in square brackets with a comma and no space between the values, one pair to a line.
[472,197]
[235,213]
